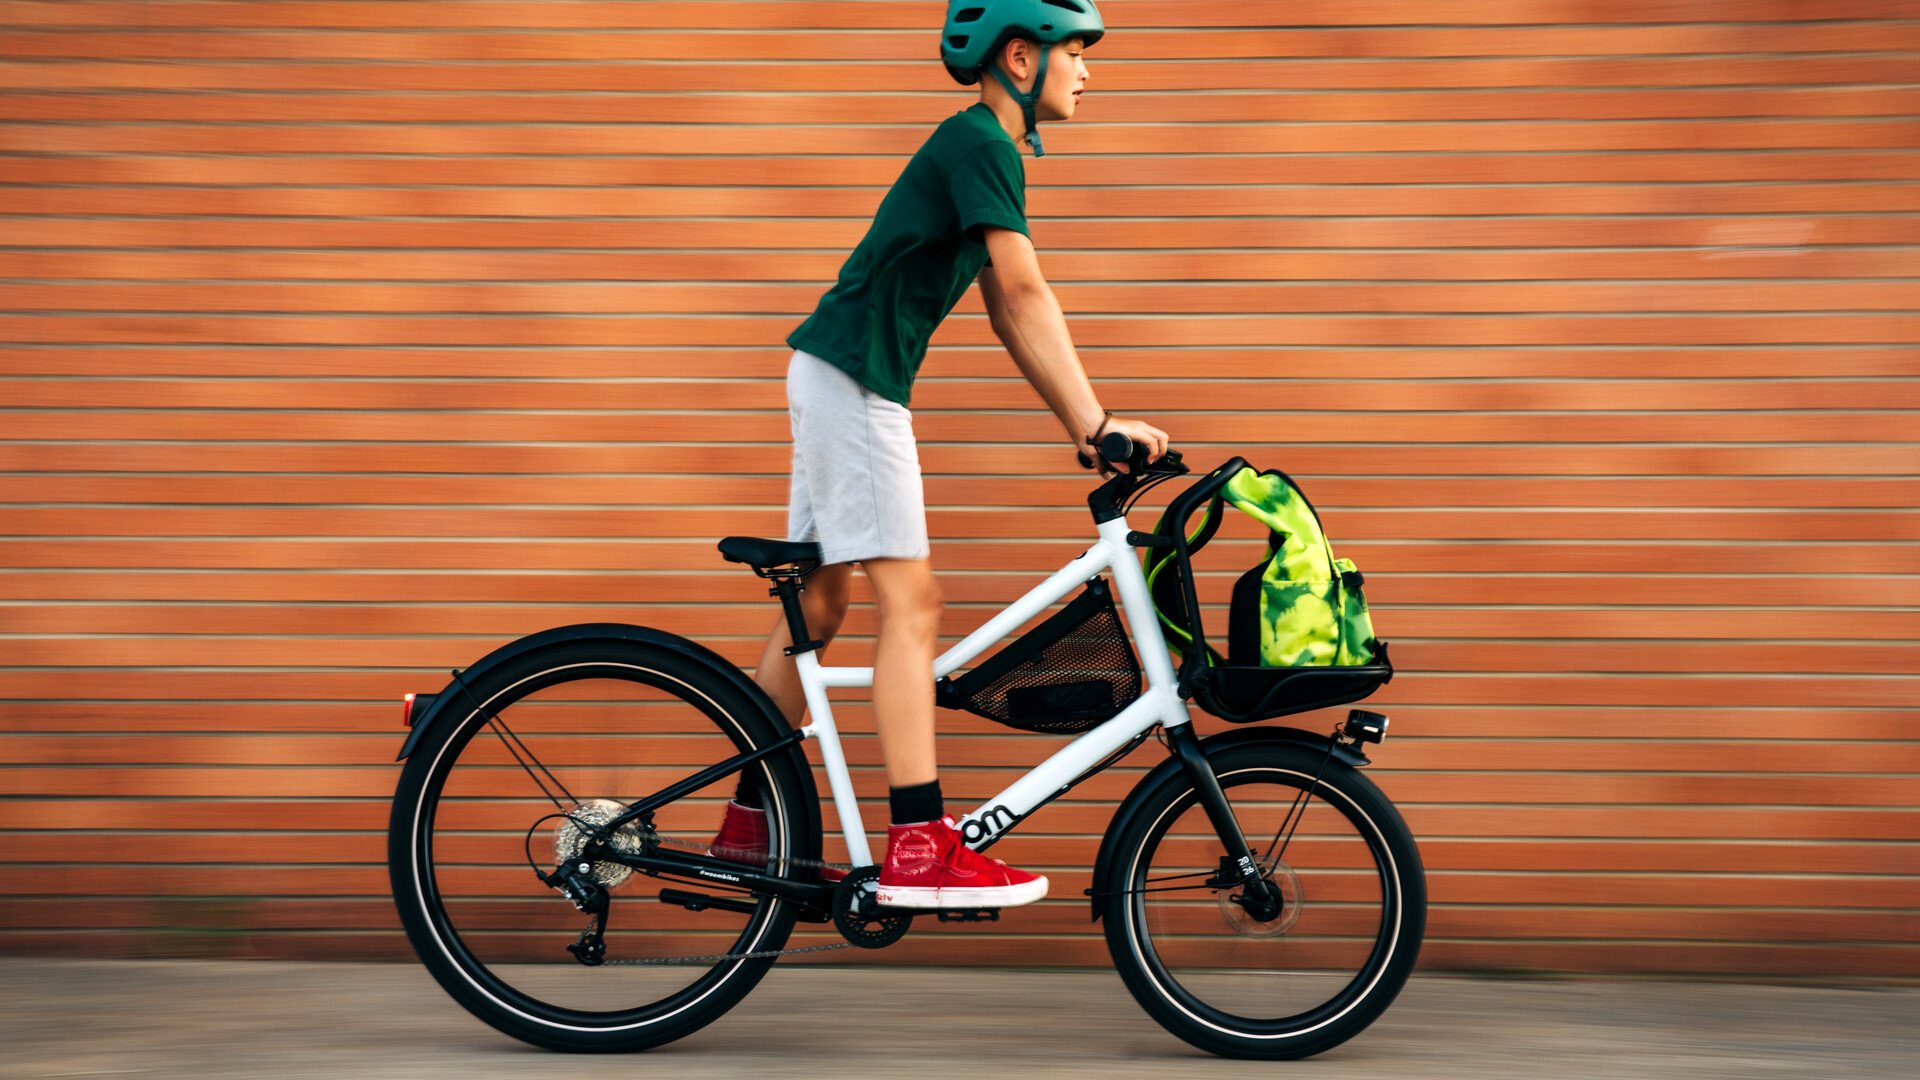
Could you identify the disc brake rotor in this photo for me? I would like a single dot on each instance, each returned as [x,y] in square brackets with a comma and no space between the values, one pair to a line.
[1246,924]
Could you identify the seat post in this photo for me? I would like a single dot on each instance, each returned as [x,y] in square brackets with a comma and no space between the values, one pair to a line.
[787,585]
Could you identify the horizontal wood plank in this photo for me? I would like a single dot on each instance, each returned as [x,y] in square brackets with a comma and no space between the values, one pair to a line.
[1592,331]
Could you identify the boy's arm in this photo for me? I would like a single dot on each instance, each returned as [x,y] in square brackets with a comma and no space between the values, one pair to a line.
[1027,318]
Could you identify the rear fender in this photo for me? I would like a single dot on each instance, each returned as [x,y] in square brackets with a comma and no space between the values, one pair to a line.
[454,702]
[1159,774]
[453,699]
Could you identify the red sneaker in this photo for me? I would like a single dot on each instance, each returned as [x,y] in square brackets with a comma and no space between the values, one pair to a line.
[743,839]
[927,866]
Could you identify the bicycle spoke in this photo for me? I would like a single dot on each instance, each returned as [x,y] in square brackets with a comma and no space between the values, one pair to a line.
[1208,874]
[497,725]
[1177,877]
[1284,836]
[1169,888]
[1291,822]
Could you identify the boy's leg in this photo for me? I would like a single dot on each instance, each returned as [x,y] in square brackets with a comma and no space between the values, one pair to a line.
[909,628]
[926,865]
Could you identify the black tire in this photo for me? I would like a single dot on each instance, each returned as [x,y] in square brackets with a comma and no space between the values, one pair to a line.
[1220,978]
[608,718]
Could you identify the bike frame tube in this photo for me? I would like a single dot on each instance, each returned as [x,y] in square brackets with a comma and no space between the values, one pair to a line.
[1157,704]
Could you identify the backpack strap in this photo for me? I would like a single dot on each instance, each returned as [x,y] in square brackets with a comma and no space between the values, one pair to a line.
[1171,590]
[1166,582]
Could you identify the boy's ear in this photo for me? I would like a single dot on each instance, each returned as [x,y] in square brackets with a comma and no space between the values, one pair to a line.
[1016,47]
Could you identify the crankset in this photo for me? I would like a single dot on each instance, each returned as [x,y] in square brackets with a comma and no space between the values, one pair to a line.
[857,913]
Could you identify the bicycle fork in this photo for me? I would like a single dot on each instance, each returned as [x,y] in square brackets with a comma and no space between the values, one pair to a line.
[1238,866]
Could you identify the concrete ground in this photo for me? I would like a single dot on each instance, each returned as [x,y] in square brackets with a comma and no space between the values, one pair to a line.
[257,1019]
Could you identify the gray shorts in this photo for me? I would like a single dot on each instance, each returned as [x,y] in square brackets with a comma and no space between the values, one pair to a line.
[856,486]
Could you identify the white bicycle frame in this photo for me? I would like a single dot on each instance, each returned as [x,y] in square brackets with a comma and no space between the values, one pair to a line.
[1157,704]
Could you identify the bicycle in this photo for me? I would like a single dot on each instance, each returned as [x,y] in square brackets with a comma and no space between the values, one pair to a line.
[1233,927]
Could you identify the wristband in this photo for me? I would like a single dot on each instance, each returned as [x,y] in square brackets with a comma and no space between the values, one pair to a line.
[1094,439]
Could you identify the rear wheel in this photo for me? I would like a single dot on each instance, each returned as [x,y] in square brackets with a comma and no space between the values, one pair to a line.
[501,786]
[1238,978]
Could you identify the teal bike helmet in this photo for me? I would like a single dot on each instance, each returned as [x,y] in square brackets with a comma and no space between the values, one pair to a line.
[976,29]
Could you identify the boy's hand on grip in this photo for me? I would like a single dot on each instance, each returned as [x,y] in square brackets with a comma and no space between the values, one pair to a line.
[1141,433]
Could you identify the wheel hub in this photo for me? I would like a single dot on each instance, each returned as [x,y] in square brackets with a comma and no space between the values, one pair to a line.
[1264,916]
[588,819]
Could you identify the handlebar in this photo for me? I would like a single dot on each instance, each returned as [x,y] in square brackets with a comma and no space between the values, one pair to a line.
[1116,447]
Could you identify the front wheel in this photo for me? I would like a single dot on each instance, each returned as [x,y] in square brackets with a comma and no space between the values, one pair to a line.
[1242,978]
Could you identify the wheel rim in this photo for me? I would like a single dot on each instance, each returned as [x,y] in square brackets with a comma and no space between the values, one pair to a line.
[1346,925]
[600,730]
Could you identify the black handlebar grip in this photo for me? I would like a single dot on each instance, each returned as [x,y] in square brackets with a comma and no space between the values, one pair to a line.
[1114,446]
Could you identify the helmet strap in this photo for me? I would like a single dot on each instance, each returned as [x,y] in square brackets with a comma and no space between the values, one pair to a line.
[1027,100]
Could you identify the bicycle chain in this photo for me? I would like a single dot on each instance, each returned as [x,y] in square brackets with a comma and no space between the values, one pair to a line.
[715,958]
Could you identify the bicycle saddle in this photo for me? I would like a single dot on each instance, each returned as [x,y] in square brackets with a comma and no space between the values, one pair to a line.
[758,552]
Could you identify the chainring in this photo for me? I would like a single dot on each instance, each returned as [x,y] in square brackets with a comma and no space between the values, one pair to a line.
[858,916]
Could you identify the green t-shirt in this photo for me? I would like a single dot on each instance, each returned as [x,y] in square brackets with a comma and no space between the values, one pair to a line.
[924,249]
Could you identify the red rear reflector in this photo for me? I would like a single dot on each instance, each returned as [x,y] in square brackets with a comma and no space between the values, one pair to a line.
[416,707]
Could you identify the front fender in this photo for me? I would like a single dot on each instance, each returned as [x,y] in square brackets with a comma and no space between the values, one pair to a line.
[446,700]
[1159,774]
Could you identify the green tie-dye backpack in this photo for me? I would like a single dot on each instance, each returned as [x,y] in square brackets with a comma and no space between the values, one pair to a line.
[1297,607]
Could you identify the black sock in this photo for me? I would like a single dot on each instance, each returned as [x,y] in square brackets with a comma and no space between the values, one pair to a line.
[913,805]
[748,793]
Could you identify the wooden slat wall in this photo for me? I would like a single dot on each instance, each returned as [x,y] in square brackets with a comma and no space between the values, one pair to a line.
[343,341]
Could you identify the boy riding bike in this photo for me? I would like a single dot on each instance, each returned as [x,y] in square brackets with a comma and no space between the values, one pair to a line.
[957,212]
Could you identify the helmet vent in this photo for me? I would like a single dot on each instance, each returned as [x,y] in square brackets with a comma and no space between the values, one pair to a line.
[958,41]
[1070,5]
[969,15]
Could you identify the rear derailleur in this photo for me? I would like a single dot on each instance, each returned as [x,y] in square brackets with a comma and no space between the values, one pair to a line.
[576,882]
[575,879]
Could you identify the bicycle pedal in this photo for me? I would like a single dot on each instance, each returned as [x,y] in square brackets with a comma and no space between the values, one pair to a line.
[978,915]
